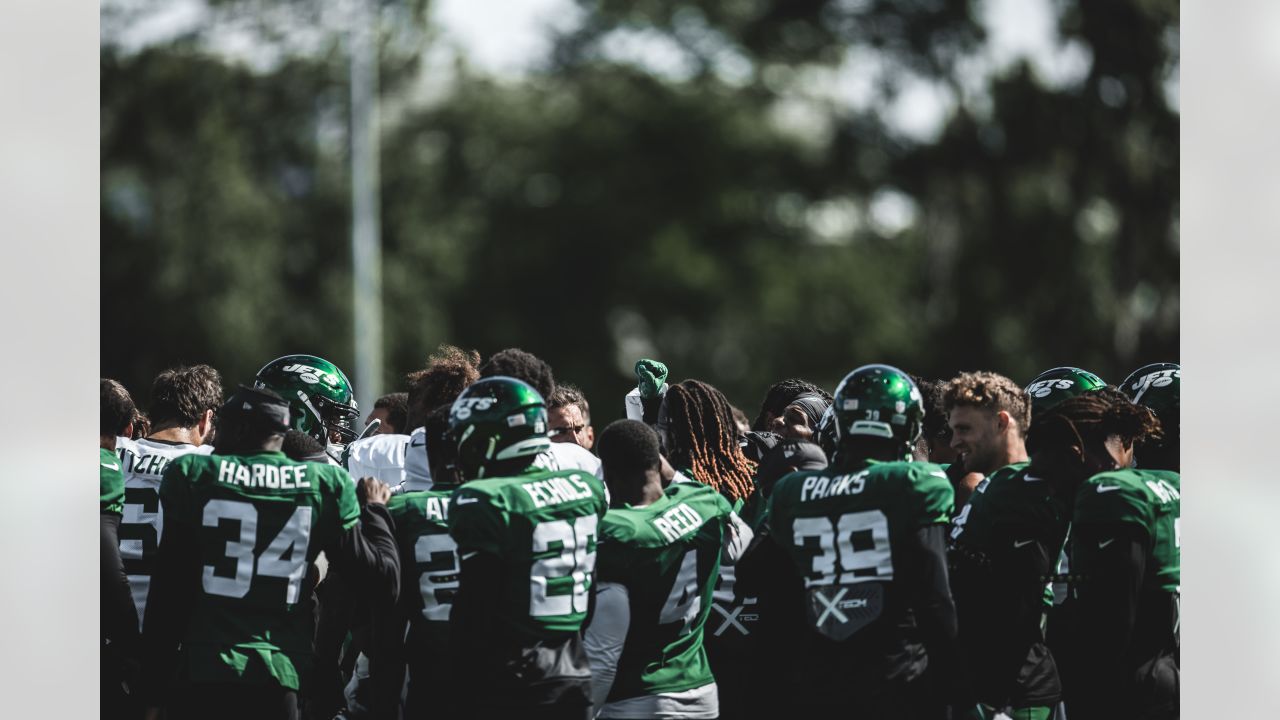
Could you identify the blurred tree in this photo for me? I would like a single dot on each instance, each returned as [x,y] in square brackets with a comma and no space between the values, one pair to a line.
[725,211]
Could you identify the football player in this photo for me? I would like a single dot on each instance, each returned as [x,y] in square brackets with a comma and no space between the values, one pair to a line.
[779,396]
[1126,554]
[321,402]
[429,578]
[1006,553]
[118,648]
[868,608]
[698,436]
[799,420]
[527,540]
[381,454]
[183,402]
[1055,385]
[242,526]
[570,416]
[1156,386]
[448,372]
[525,366]
[988,415]
[659,554]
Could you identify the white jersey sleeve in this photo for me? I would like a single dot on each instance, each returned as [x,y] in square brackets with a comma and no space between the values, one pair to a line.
[569,456]
[417,471]
[378,456]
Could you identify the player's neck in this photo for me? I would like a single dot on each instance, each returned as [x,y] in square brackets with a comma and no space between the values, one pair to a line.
[177,434]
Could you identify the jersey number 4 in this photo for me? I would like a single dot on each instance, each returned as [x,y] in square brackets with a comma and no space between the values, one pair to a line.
[853,548]
[284,557]
[570,568]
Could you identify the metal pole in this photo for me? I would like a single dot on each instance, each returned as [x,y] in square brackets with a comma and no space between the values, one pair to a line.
[366,250]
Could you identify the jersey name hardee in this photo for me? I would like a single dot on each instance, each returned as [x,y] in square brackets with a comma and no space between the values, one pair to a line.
[285,477]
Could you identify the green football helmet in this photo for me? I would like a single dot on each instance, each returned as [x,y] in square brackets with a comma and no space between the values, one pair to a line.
[1155,386]
[878,401]
[321,403]
[825,435]
[497,418]
[1053,386]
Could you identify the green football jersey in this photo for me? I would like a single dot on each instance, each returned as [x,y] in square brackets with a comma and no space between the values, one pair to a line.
[259,521]
[428,557]
[668,556]
[1012,512]
[544,526]
[110,483]
[840,530]
[1004,557]
[1149,500]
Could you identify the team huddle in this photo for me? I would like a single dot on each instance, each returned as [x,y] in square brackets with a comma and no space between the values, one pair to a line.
[899,548]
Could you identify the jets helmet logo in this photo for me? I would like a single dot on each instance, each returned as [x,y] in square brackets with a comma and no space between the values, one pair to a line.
[1044,387]
[463,408]
[1157,379]
[310,375]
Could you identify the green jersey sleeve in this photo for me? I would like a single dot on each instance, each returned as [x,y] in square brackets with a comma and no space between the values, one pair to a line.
[1114,497]
[110,483]
[476,521]
[345,491]
[934,495]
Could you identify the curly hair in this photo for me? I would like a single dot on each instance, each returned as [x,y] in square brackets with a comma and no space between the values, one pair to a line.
[521,365]
[181,395]
[991,391]
[705,438]
[1093,416]
[448,372]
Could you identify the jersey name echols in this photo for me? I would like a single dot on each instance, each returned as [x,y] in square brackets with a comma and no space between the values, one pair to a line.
[556,490]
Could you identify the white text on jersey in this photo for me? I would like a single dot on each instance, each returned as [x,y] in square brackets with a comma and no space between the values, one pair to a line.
[556,490]
[438,508]
[817,487]
[286,477]
[678,521]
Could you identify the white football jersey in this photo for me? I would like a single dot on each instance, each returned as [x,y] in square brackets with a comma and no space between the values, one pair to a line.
[378,456]
[143,462]
[417,473]
[569,456]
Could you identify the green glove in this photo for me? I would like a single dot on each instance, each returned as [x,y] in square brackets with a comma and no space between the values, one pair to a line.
[651,375]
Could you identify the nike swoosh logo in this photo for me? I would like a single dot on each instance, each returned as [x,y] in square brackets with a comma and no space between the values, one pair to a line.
[1022,543]
[1104,543]
[1107,488]
[110,467]
[466,501]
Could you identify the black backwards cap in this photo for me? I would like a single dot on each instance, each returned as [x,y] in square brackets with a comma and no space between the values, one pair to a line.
[812,405]
[799,454]
[258,405]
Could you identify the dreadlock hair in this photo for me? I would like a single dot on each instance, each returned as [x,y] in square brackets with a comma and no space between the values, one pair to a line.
[705,440]
[449,371]
[1093,416]
[780,395]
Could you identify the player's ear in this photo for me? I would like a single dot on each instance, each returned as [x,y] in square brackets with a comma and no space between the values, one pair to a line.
[1002,420]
